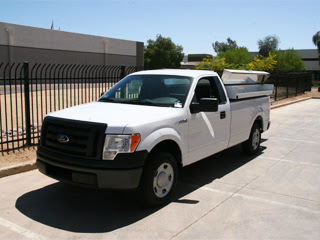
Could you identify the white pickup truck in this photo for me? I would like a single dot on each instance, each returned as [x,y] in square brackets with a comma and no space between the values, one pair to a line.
[149,125]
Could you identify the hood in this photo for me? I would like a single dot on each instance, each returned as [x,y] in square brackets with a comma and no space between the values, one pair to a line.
[116,115]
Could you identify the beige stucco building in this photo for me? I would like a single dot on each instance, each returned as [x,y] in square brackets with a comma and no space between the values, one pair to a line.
[37,45]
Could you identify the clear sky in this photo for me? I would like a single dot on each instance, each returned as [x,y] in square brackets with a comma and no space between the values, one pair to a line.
[194,24]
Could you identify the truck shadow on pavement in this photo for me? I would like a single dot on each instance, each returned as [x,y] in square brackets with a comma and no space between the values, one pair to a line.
[91,211]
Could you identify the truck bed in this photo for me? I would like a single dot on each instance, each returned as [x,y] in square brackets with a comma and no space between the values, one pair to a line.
[241,91]
[241,119]
[241,84]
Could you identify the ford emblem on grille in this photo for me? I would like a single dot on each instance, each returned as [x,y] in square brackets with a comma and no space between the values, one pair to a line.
[63,138]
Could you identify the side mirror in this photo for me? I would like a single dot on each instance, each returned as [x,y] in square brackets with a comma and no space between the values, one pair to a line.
[205,105]
[101,94]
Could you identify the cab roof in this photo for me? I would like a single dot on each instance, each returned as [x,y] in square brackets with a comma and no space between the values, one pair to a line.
[178,72]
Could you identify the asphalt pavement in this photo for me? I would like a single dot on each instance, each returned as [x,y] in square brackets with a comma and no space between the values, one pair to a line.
[274,195]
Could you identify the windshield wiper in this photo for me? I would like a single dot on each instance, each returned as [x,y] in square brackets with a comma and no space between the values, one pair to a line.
[141,102]
[106,99]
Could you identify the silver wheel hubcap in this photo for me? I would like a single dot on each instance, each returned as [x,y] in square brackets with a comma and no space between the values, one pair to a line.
[163,180]
[256,139]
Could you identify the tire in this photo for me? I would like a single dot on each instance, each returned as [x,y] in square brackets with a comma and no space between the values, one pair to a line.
[159,179]
[251,146]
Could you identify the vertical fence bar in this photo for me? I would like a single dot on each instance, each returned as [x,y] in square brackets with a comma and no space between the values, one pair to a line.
[16,105]
[1,136]
[35,123]
[35,119]
[123,71]
[27,102]
[276,91]
[297,82]
[122,75]
[11,105]
[31,97]
[287,92]
[5,100]
[21,77]
[42,82]
[85,85]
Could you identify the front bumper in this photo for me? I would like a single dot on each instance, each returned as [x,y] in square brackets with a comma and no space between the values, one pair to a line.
[102,176]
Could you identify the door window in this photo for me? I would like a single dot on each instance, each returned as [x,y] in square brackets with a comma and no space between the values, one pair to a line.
[209,87]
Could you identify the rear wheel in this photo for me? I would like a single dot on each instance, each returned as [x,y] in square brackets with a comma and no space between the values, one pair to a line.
[159,178]
[251,146]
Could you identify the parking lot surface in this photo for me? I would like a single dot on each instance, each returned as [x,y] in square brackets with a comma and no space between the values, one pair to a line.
[274,195]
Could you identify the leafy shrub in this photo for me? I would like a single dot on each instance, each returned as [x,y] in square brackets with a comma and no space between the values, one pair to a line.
[264,63]
[206,64]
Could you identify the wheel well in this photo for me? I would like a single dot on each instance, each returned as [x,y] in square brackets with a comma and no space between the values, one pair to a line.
[260,122]
[171,147]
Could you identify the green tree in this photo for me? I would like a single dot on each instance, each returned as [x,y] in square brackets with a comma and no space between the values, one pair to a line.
[268,44]
[316,41]
[236,58]
[288,60]
[231,59]
[224,46]
[162,53]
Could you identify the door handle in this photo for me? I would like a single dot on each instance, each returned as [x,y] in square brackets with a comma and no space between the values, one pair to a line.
[222,115]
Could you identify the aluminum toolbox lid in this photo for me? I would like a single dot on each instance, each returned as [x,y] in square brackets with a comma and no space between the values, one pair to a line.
[230,76]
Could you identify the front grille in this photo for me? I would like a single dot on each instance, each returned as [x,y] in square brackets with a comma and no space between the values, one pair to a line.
[85,139]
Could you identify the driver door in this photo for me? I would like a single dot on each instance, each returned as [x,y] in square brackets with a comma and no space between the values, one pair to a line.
[208,130]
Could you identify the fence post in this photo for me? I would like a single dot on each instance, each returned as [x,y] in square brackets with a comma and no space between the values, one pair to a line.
[27,102]
[123,71]
[122,75]
[297,82]
[276,91]
[287,94]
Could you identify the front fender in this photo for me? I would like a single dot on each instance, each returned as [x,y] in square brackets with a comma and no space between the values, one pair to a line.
[158,136]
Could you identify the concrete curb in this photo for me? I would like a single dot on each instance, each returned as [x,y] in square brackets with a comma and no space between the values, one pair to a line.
[292,102]
[19,168]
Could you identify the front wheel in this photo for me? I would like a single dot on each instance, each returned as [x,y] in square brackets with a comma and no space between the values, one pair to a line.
[251,146]
[159,179]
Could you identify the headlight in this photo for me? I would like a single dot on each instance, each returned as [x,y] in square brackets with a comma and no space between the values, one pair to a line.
[114,144]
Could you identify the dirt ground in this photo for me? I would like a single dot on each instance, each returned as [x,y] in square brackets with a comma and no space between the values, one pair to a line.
[17,157]
[29,154]
[313,93]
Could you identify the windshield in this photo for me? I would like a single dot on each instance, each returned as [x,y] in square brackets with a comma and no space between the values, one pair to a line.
[153,90]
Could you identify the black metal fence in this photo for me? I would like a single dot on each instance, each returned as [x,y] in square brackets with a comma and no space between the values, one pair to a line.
[289,84]
[29,92]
